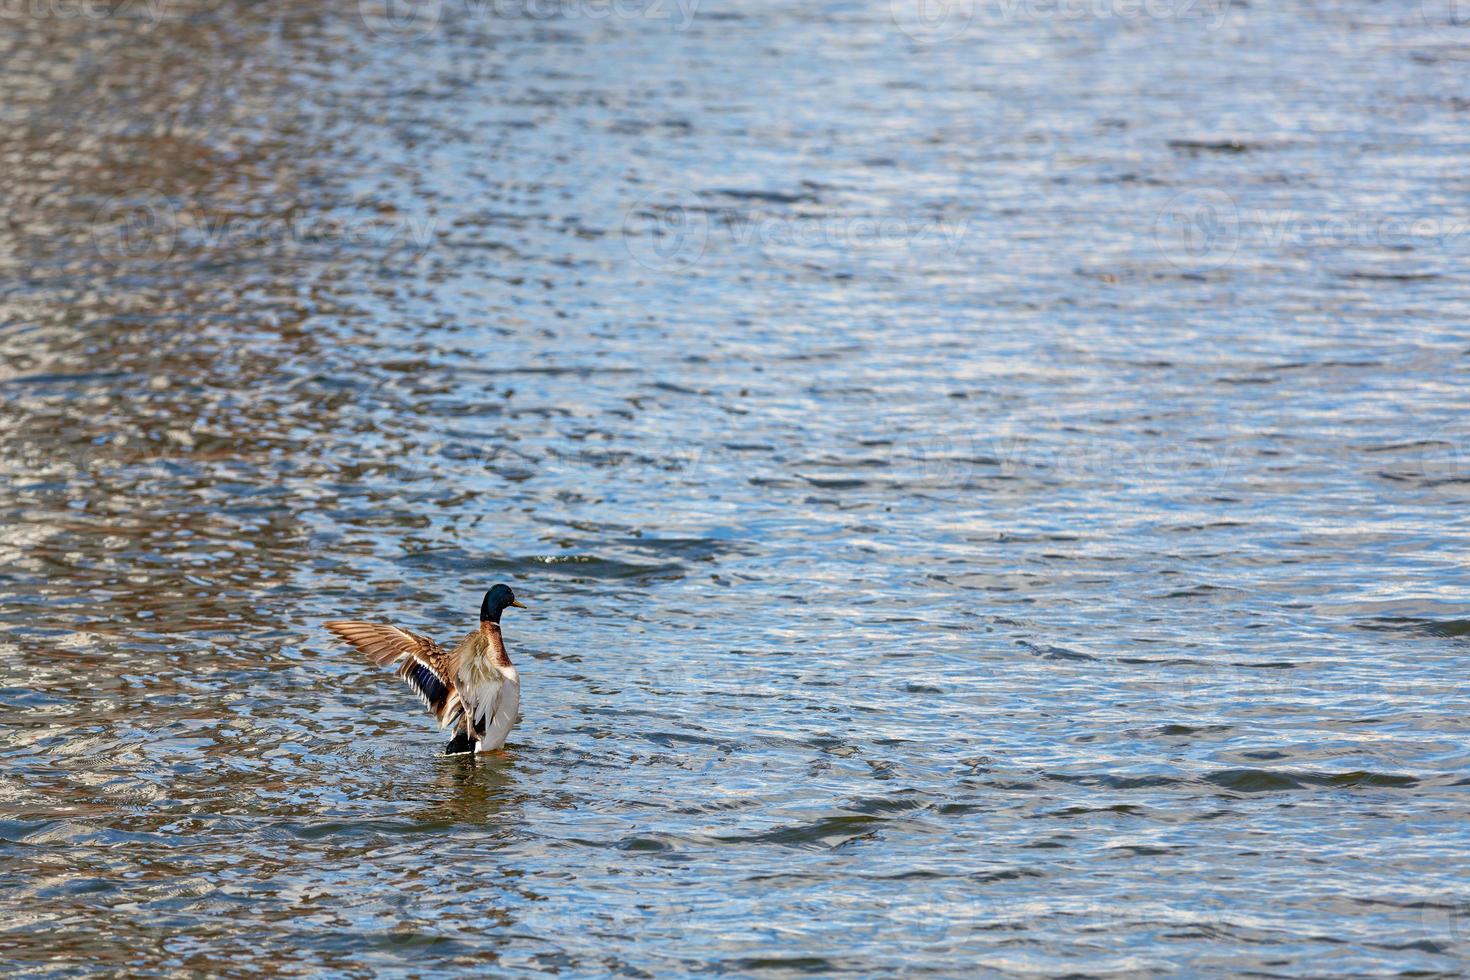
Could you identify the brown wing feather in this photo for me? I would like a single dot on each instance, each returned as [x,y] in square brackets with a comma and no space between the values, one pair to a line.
[384,645]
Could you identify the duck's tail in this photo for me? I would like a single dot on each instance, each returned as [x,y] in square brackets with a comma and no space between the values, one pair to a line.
[462,743]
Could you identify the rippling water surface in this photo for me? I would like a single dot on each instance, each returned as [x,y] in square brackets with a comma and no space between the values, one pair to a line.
[990,489]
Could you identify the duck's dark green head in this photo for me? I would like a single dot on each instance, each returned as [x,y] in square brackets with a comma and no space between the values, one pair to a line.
[495,602]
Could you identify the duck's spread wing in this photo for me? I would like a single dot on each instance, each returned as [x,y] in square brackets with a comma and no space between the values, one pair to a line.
[422,663]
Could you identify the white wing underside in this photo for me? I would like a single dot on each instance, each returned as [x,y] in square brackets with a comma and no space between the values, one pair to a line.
[497,704]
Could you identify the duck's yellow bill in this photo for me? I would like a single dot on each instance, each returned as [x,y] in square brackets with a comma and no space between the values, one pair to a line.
[518,604]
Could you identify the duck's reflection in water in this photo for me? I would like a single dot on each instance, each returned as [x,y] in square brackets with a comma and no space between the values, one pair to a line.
[464,895]
[476,791]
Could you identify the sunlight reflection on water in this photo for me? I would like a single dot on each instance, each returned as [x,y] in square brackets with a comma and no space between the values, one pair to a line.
[988,487]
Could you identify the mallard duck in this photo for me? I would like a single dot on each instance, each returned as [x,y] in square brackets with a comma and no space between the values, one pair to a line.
[474,685]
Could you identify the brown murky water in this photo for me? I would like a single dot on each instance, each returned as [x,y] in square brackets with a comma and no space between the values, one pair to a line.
[989,481]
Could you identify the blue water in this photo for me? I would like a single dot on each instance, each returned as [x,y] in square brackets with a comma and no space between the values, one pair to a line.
[989,482]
